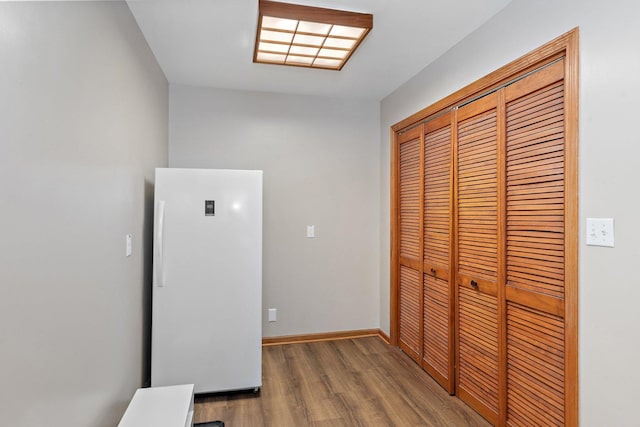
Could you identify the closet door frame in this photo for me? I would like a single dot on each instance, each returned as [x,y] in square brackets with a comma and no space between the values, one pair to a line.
[565,46]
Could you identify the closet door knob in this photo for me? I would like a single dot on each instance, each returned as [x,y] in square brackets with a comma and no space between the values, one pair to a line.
[474,284]
[433,271]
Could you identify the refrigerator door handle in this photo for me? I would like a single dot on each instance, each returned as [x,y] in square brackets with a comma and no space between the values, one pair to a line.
[159,265]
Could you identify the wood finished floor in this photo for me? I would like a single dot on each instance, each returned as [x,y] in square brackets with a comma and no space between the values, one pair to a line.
[354,382]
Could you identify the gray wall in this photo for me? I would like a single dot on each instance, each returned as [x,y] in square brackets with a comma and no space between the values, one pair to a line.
[320,159]
[83,123]
[609,285]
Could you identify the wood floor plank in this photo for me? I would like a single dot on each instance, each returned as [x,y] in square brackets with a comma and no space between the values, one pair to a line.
[355,382]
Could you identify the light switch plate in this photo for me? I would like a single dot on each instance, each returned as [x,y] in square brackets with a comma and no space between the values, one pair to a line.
[600,232]
[311,231]
[129,239]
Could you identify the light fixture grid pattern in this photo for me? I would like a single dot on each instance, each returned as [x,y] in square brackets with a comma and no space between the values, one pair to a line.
[306,42]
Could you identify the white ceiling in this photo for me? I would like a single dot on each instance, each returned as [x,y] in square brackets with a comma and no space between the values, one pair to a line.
[210,43]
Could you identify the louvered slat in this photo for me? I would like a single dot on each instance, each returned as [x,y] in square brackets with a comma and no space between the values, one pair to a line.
[436,325]
[478,348]
[535,367]
[535,191]
[477,196]
[410,188]
[410,301]
[437,197]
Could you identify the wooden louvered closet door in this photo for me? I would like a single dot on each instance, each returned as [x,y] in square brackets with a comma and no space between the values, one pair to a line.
[437,352]
[535,248]
[477,256]
[485,246]
[410,189]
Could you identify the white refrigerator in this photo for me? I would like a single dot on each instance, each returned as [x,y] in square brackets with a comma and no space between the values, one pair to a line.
[207,279]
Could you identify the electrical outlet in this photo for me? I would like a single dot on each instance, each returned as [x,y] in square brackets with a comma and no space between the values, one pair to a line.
[311,231]
[272,315]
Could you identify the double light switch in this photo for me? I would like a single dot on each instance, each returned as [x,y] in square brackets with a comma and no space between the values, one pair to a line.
[600,232]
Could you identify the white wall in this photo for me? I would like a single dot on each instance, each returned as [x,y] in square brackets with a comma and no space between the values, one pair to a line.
[83,122]
[320,159]
[609,150]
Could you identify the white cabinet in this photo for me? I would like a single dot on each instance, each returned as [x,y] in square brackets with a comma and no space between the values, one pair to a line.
[170,406]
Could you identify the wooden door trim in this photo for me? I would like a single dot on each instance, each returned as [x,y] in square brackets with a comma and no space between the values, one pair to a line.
[421,247]
[394,270]
[571,85]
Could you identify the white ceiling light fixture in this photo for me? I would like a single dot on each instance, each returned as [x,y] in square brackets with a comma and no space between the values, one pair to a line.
[306,36]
